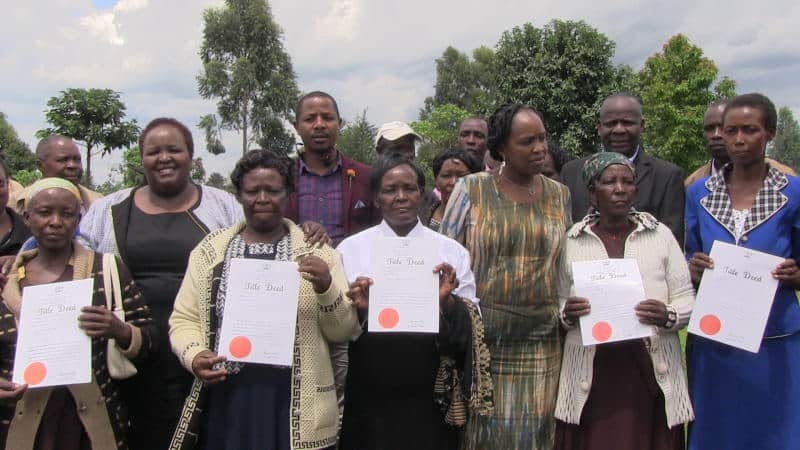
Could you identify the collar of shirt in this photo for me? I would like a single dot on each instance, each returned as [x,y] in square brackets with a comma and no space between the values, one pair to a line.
[714,169]
[417,231]
[632,159]
[304,168]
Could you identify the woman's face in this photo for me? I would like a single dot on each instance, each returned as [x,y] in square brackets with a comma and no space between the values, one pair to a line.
[166,160]
[744,134]
[615,191]
[263,196]
[52,216]
[452,169]
[524,150]
[398,197]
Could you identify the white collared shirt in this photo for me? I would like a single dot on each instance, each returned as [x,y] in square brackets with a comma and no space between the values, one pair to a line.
[357,252]
[632,159]
[714,169]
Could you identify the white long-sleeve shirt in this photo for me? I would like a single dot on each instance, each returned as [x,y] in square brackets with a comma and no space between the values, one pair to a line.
[357,253]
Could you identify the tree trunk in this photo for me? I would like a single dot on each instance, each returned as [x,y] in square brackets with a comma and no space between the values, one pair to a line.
[87,175]
[244,130]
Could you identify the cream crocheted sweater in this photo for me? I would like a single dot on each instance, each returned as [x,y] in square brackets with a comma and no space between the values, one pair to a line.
[665,276]
[321,318]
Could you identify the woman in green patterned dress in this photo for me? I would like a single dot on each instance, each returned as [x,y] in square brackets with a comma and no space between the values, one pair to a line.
[513,224]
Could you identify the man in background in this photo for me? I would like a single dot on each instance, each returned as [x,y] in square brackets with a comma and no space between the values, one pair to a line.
[397,137]
[58,156]
[661,192]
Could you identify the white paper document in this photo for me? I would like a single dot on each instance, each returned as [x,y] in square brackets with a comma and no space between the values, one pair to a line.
[613,288]
[405,293]
[260,316]
[51,349]
[734,299]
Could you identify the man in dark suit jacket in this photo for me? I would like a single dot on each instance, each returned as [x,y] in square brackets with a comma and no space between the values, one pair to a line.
[660,182]
[332,189]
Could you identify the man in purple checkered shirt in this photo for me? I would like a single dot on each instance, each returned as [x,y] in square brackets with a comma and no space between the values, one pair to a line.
[332,190]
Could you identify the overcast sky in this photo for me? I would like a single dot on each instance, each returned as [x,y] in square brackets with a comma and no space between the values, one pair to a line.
[372,54]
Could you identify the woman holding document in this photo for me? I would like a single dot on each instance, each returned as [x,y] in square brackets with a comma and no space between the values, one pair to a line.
[76,416]
[409,389]
[629,394]
[242,405]
[742,399]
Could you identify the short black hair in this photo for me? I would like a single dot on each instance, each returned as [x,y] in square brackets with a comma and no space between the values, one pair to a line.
[455,153]
[388,162]
[500,126]
[558,155]
[315,94]
[255,159]
[473,118]
[719,102]
[182,129]
[624,94]
[756,101]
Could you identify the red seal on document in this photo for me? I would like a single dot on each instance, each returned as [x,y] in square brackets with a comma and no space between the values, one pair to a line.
[388,318]
[240,347]
[710,324]
[601,331]
[35,373]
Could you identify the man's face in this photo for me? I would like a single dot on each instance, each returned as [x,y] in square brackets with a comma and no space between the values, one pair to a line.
[472,137]
[63,160]
[712,132]
[403,145]
[620,125]
[318,124]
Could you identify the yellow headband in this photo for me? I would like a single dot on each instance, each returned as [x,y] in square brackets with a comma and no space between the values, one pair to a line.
[52,183]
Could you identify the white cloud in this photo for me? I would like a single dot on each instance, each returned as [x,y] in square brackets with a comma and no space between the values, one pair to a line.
[124,6]
[341,22]
[102,26]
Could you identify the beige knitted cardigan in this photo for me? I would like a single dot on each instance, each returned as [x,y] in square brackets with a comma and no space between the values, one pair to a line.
[665,276]
[321,318]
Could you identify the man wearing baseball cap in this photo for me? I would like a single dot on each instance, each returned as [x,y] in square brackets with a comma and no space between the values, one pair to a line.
[396,137]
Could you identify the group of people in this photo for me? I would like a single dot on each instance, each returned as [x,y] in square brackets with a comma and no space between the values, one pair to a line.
[507,216]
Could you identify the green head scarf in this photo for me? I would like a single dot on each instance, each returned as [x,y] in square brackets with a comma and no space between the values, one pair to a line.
[597,163]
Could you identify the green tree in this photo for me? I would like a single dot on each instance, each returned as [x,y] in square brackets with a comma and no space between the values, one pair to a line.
[246,68]
[726,88]
[357,139]
[131,167]
[198,171]
[26,177]
[17,154]
[677,86]
[439,132]
[464,82]
[95,117]
[563,69]
[441,128]
[217,180]
[210,126]
[785,147]
[276,138]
